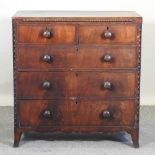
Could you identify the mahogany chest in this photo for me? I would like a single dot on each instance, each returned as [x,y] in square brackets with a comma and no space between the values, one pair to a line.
[76,72]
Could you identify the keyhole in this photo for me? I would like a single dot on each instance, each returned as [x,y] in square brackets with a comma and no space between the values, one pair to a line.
[107,28]
[76,74]
[77,49]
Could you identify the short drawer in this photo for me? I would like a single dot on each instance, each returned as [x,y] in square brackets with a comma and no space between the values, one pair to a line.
[104,34]
[35,113]
[48,58]
[45,33]
[49,85]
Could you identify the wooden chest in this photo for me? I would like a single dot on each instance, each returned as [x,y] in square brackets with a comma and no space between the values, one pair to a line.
[76,72]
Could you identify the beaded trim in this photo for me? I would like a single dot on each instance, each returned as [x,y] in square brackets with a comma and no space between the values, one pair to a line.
[74,20]
[138,77]
[14,73]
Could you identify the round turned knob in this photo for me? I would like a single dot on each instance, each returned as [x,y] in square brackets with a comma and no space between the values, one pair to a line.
[46,85]
[107,85]
[47,58]
[47,114]
[108,34]
[106,114]
[47,33]
[107,58]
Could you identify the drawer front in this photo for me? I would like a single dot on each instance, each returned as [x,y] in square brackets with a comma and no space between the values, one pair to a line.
[33,113]
[106,84]
[45,33]
[45,85]
[43,57]
[103,34]
[41,85]
[107,57]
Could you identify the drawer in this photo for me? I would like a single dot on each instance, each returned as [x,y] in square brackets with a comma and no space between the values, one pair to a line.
[46,58]
[107,57]
[33,113]
[106,84]
[104,34]
[45,85]
[46,33]
[49,85]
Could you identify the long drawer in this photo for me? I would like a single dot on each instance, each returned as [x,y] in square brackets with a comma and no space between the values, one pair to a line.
[36,113]
[48,85]
[48,57]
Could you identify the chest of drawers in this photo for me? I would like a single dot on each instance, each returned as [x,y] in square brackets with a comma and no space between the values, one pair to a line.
[76,72]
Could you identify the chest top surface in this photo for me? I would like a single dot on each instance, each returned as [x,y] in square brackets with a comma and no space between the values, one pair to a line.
[78,16]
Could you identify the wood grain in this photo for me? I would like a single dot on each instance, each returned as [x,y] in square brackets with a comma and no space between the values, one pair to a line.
[70,84]
[76,98]
[68,113]
[33,33]
[69,57]
[95,34]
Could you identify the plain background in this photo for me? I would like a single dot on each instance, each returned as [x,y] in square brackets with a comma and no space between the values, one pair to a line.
[143,7]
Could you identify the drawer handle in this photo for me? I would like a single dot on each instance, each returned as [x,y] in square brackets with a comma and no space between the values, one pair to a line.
[106,114]
[107,85]
[108,35]
[46,85]
[47,34]
[47,58]
[107,58]
[47,114]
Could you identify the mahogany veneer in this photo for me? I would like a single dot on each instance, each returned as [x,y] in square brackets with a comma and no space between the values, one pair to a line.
[76,72]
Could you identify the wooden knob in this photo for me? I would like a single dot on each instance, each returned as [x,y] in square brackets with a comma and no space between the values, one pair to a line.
[46,85]
[47,113]
[47,58]
[108,35]
[106,114]
[107,85]
[47,34]
[107,58]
